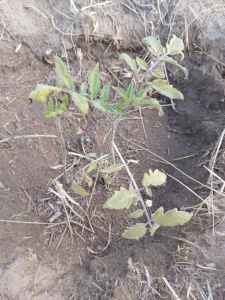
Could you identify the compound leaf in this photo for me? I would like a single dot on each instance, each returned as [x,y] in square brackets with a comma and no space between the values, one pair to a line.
[80,101]
[106,108]
[122,199]
[142,64]
[154,228]
[136,214]
[164,89]
[157,73]
[131,62]
[135,232]
[78,189]
[94,82]
[172,217]
[154,178]
[112,169]
[154,44]
[152,102]
[42,91]
[62,73]
[105,92]
[170,60]
[91,167]
[175,46]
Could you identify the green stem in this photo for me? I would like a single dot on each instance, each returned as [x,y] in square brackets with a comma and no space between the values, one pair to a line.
[66,180]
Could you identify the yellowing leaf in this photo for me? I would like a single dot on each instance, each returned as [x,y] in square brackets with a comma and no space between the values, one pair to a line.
[42,91]
[135,232]
[148,191]
[136,214]
[62,73]
[131,62]
[122,199]
[154,228]
[157,73]
[142,64]
[148,203]
[172,217]
[154,178]
[80,101]
[175,46]
[78,189]
[170,60]
[112,169]
[163,88]
[154,44]
[94,82]
[152,102]
[91,167]
[107,179]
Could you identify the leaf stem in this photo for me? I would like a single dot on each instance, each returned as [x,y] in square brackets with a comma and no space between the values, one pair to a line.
[115,123]
[134,183]
[66,180]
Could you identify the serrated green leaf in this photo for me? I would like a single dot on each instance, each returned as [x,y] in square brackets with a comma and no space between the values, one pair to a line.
[143,92]
[154,178]
[175,46]
[105,92]
[83,88]
[107,179]
[120,104]
[106,108]
[80,101]
[131,62]
[164,89]
[130,90]
[112,169]
[172,217]
[154,228]
[170,60]
[122,199]
[135,232]
[136,214]
[154,44]
[157,73]
[142,64]
[92,167]
[50,114]
[62,73]
[152,102]
[94,82]
[78,189]
[42,91]
[122,93]
[148,191]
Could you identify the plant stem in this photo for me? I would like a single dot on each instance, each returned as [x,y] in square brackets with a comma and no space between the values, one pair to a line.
[134,183]
[66,180]
[115,123]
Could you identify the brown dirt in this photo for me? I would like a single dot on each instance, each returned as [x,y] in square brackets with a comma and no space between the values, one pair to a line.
[31,266]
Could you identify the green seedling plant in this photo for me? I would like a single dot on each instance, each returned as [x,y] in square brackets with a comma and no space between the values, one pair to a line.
[147,80]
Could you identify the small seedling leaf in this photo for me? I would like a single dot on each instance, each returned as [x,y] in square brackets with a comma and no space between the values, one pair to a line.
[157,73]
[154,44]
[113,169]
[91,168]
[170,60]
[172,217]
[83,88]
[175,46]
[62,73]
[152,102]
[94,82]
[135,232]
[106,108]
[80,101]
[105,92]
[122,199]
[187,252]
[131,62]
[154,228]
[148,191]
[78,189]
[186,258]
[164,89]
[142,64]
[154,178]
[136,214]
[42,91]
